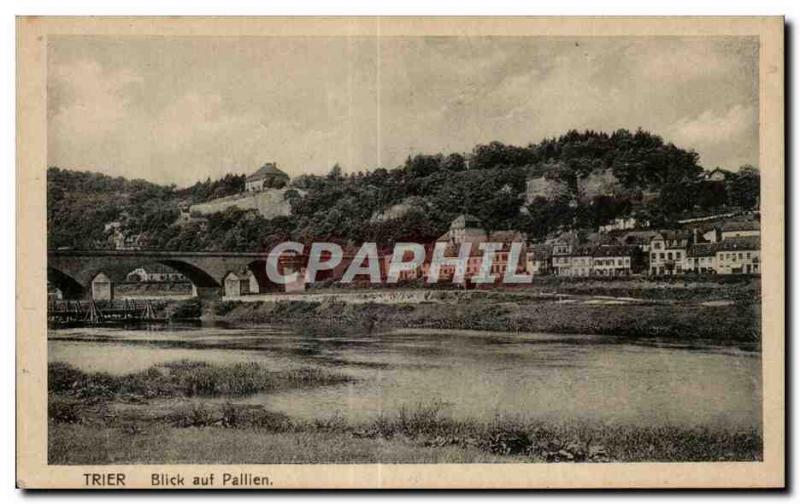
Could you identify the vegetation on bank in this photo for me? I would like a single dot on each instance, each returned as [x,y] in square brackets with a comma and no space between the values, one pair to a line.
[183,379]
[184,412]
[691,287]
[232,433]
[737,323]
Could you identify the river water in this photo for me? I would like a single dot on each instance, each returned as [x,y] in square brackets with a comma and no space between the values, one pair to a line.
[472,374]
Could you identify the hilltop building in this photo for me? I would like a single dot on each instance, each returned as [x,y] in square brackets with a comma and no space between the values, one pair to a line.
[267,192]
[268,176]
[715,175]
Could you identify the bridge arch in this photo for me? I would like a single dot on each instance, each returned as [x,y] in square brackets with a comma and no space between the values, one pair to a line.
[204,283]
[74,270]
[70,287]
[197,276]
[259,270]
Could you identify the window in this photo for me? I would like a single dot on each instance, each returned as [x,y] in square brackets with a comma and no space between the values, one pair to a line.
[661,255]
[653,256]
[677,255]
[669,255]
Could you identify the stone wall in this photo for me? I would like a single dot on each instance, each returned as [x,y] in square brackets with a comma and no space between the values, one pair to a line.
[269,203]
[543,187]
[598,183]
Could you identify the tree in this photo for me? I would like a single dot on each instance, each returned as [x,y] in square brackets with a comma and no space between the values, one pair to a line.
[336,173]
[744,187]
[454,163]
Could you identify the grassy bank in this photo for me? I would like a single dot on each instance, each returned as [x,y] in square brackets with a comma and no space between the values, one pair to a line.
[185,412]
[417,435]
[717,310]
[678,288]
[183,379]
[737,323]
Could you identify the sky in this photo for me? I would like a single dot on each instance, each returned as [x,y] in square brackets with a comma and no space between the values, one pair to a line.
[181,109]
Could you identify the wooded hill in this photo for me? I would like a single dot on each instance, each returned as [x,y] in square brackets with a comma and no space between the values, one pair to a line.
[654,180]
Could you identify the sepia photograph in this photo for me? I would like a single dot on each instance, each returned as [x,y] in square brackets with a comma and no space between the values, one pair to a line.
[532,248]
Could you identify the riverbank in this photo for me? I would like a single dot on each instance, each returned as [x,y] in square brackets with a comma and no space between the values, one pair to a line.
[727,322]
[187,412]
[716,310]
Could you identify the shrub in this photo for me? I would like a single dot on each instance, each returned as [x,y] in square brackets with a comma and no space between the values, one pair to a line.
[63,411]
[506,440]
[196,415]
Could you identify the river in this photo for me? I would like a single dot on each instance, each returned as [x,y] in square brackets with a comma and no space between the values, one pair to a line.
[471,374]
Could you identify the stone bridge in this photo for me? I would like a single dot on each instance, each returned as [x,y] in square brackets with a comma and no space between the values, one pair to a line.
[93,273]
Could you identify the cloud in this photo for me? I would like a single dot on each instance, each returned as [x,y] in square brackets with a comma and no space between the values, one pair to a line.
[712,127]
[729,136]
[85,100]
[180,110]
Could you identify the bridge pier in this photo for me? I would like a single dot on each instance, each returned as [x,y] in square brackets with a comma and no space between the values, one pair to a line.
[102,288]
[209,293]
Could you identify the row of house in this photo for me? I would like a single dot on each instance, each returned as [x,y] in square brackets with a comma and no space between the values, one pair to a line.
[727,248]
[732,248]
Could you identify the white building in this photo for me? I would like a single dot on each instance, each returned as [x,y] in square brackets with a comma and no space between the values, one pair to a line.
[701,258]
[667,251]
[464,229]
[155,273]
[577,263]
[612,260]
[740,255]
[240,284]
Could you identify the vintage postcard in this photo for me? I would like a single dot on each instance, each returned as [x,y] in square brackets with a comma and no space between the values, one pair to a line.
[400,253]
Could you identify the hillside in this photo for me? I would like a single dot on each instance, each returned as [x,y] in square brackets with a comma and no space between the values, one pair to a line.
[603,176]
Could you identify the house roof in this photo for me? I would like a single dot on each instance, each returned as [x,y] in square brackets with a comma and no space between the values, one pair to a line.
[268,170]
[702,250]
[601,239]
[674,234]
[715,170]
[740,243]
[570,237]
[507,236]
[637,237]
[742,225]
[613,251]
